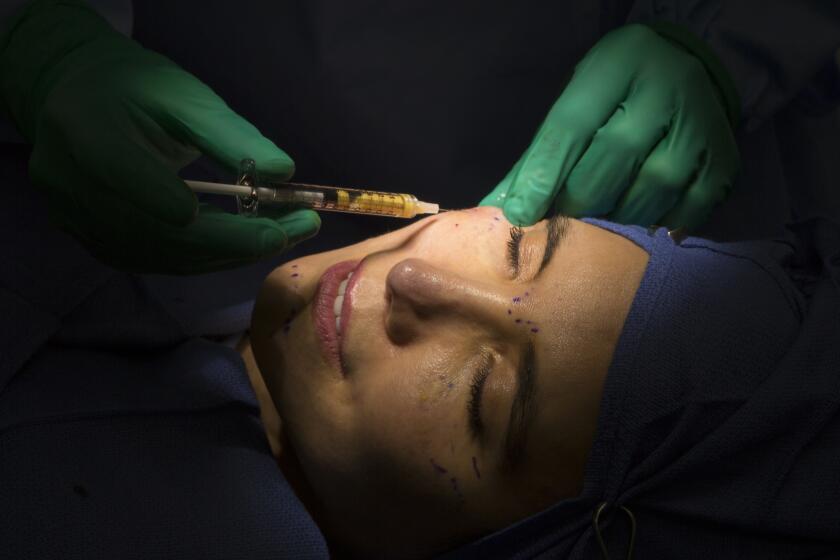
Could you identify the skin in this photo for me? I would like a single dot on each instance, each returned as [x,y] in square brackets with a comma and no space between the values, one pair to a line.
[380,450]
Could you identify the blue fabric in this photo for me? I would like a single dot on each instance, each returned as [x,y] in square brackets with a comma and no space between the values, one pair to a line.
[122,436]
[719,426]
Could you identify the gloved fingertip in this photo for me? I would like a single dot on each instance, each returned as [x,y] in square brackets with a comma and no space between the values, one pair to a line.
[516,214]
[273,241]
[277,169]
[492,200]
[300,225]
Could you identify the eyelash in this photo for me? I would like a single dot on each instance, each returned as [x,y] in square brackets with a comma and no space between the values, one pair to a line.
[474,404]
[513,245]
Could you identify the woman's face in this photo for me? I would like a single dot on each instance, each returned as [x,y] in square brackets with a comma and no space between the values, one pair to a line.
[443,380]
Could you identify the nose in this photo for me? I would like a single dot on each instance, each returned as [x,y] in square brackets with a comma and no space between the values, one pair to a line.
[418,292]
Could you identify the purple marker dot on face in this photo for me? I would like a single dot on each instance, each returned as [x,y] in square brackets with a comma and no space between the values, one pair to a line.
[528,322]
[519,320]
[535,329]
[517,299]
[295,275]
[438,468]
[509,312]
[527,294]
[496,218]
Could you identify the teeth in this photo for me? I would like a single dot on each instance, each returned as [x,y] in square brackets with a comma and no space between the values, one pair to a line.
[339,302]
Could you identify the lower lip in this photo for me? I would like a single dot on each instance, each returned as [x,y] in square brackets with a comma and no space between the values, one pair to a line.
[322,311]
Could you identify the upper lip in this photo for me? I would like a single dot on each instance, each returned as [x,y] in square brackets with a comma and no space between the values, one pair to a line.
[322,309]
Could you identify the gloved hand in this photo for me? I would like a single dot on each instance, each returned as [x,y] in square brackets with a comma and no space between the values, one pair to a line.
[111,123]
[640,135]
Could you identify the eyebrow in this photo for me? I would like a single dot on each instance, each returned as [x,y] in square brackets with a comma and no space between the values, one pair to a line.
[522,410]
[558,226]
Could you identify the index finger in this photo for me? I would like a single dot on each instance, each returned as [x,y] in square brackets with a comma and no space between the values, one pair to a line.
[593,94]
[203,119]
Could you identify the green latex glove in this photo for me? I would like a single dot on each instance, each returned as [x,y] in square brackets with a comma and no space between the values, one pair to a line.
[111,123]
[640,135]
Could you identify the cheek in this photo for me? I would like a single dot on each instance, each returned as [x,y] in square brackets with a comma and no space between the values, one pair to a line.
[407,406]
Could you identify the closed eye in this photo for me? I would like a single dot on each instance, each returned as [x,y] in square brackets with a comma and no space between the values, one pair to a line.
[479,378]
[513,248]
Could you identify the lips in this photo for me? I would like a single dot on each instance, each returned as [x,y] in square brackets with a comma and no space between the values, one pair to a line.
[324,316]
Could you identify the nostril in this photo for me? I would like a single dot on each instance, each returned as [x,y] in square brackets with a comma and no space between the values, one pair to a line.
[413,293]
[401,321]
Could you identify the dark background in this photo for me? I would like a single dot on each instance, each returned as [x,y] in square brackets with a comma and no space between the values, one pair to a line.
[437,99]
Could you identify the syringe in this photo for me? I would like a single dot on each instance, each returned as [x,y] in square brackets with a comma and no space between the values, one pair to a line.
[319,197]
[251,193]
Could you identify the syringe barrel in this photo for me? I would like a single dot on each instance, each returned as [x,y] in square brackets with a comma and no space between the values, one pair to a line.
[339,199]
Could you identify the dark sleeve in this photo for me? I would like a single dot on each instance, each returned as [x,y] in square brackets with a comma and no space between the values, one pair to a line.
[774,50]
[119,13]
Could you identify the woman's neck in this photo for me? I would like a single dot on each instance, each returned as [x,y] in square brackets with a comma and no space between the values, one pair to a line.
[287,461]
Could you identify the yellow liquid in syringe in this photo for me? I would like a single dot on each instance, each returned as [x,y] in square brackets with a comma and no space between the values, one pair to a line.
[364,202]
[354,201]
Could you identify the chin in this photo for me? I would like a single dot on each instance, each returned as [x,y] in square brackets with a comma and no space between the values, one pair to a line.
[271,309]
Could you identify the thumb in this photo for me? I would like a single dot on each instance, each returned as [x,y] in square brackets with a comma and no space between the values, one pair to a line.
[498,195]
[292,228]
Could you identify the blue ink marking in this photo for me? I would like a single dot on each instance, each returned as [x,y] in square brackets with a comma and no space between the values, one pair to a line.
[535,329]
[450,385]
[438,468]
[475,468]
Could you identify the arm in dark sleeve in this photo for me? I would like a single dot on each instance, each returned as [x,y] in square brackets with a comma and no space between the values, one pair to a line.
[119,14]
[773,50]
